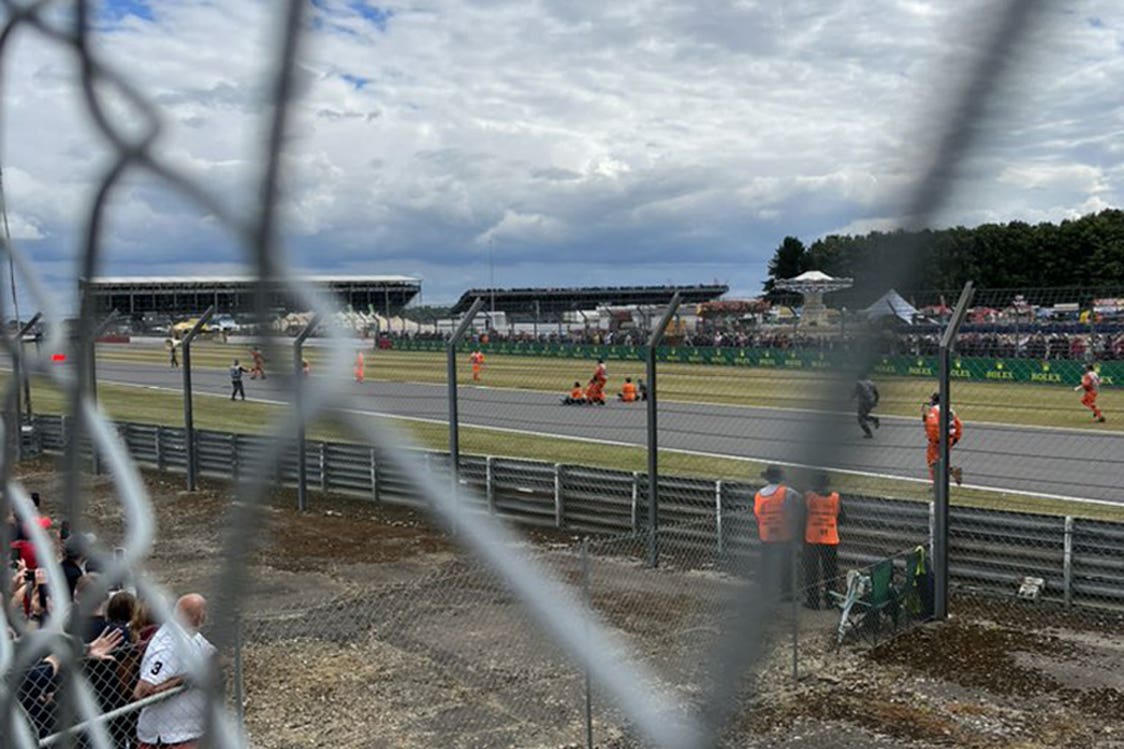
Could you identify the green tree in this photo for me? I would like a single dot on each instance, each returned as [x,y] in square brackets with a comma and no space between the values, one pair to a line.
[788,261]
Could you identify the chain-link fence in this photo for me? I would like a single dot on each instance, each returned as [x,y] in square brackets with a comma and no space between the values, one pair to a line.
[729,479]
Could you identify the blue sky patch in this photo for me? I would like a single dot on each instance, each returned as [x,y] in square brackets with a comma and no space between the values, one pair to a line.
[376,15]
[112,11]
[357,82]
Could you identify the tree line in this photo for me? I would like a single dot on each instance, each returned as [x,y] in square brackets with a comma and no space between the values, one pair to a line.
[1086,252]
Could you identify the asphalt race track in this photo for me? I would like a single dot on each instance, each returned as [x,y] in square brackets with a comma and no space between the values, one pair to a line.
[1068,463]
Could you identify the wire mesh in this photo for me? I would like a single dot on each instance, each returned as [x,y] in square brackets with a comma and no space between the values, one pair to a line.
[665,688]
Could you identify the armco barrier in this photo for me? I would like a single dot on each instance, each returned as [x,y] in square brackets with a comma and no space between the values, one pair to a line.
[991,551]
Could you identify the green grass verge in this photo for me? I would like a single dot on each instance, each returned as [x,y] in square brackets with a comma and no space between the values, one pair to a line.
[149,406]
[1006,403]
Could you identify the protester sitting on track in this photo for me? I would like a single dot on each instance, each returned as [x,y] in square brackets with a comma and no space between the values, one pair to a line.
[576,396]
[628,392]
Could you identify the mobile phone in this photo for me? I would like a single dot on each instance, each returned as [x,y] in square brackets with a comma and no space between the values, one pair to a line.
[29,575]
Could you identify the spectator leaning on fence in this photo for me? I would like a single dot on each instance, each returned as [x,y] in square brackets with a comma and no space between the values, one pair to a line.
[178,721]
[776,507]
[40,682]
[822,512]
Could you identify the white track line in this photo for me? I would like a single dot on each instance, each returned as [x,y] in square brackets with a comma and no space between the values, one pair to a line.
[677,450]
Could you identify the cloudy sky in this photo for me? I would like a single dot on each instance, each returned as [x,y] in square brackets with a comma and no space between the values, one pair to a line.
[574,141]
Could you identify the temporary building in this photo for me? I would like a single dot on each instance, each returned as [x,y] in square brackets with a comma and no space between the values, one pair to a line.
[891,304]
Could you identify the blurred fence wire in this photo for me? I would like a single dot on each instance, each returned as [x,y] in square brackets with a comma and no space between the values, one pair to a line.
[534,602]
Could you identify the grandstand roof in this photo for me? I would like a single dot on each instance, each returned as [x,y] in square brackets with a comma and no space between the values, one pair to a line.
[234,280]
[548,302]
[136,296]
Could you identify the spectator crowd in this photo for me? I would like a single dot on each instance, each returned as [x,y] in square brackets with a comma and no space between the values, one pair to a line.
[124,653]
[1001,343]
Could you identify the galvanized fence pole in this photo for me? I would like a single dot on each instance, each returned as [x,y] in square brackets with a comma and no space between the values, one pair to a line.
[587,599]
[188,410]
[451,362]
[92,382]
[238,678]
[298,398]
[22,383]
[941,502]
[794,562]
[653,436]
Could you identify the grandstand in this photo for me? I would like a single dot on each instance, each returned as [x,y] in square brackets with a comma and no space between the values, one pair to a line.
[137,297]
[550,304]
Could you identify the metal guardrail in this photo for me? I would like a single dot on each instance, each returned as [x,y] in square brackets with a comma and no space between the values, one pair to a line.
[1082,561]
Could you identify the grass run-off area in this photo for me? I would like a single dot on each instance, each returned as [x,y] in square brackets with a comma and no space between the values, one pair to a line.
[678,382]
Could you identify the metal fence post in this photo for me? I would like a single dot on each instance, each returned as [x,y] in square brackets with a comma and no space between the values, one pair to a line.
[932,526]
[451,364]
[794,562]
[374,476]
[323,467]
[22,381]
[234,467]
[559,505]
[91,362]
[587,599]
[188,411]
[1067,562]
[940,536]
[239,686]
[653,434]
[489,485]
[298,400]
[718,516]
[159,445]
[634,508]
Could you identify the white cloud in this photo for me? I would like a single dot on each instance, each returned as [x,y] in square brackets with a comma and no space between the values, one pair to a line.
[693,134]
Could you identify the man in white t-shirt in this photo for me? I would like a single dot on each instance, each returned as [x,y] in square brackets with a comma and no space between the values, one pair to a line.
[178,721]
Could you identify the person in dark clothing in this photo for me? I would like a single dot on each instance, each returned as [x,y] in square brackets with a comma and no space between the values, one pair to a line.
[866,398]
[37,688]
[236,372]
[72,563]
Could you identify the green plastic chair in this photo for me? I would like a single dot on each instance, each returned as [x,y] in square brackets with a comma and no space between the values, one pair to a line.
[879,599]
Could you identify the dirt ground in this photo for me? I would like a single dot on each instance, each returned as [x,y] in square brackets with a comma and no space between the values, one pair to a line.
[365,627]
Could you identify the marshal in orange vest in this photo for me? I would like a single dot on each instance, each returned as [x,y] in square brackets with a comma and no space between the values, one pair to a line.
[822,524]
[772,520]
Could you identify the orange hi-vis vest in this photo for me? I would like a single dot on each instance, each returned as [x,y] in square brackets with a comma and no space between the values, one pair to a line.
[577,394]
[628,391]
[822,525]
[772,522]
[933,425]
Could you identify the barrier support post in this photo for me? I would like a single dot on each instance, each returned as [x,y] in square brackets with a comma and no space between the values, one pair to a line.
[940,509]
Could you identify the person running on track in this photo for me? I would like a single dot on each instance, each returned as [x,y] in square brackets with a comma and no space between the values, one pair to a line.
[258,370]
[1091,384]
[476,359]
[595,393]
[931,417]
[866,398]
[360,367]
